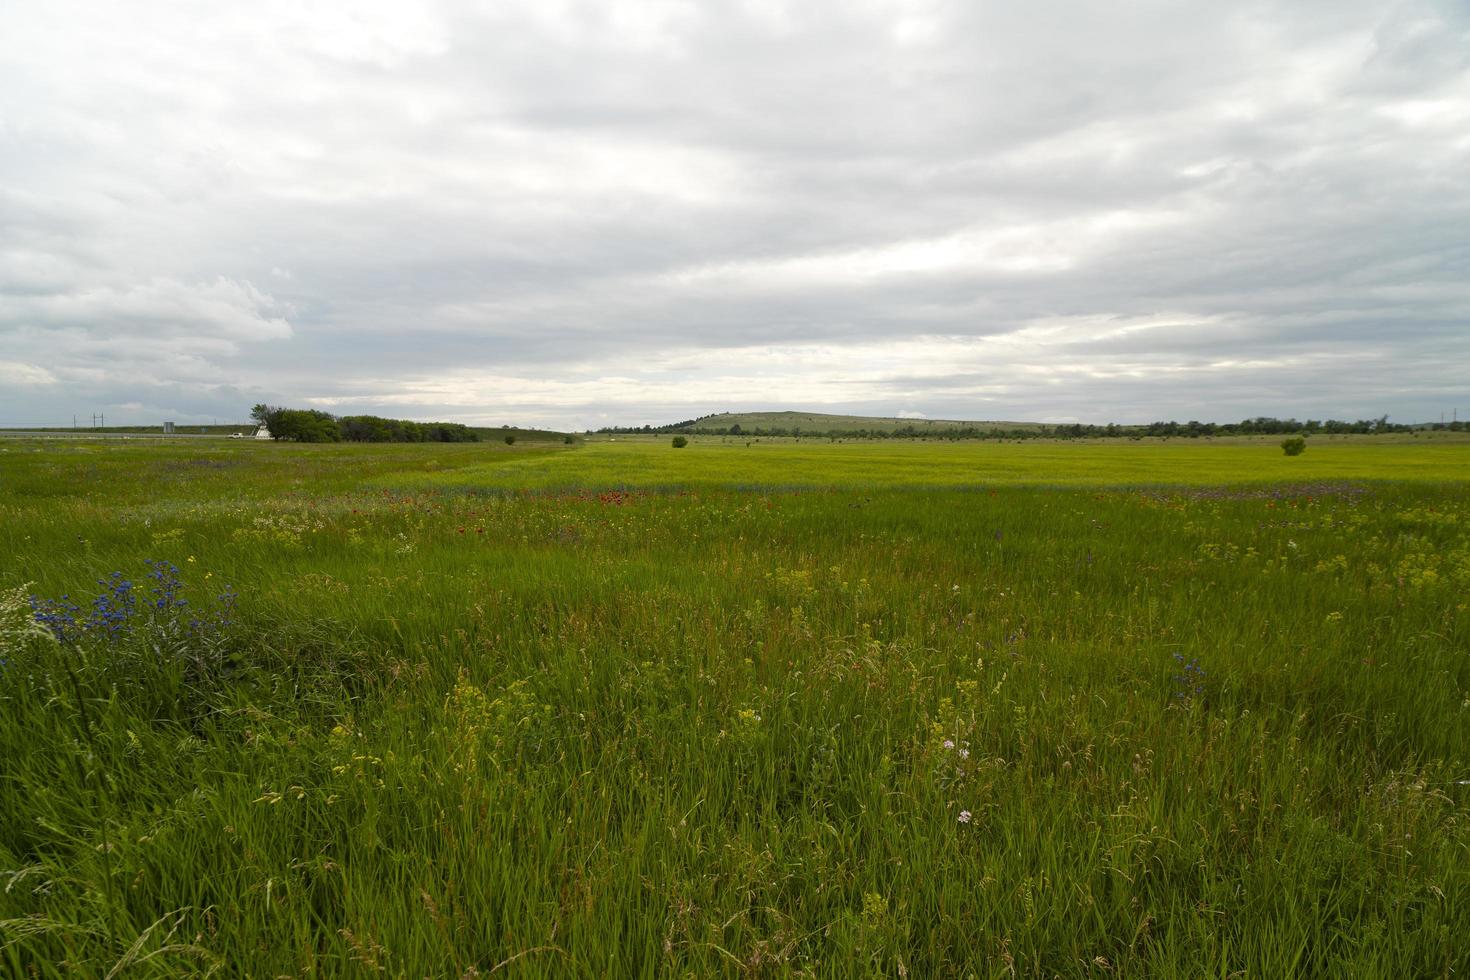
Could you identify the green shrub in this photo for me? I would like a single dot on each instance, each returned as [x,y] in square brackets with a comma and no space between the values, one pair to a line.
[680,442]
[510,440]
[1294,446]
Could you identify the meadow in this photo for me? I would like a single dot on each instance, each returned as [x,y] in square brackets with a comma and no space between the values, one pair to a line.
[1146,709]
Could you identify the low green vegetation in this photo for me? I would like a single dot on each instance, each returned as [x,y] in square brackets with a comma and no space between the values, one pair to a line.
[816,425]
[228,429]
[880,709]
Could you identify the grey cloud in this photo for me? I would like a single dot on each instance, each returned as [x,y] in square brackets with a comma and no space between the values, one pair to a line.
[526,202]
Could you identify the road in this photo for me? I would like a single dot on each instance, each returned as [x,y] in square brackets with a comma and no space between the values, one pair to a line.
[63,434]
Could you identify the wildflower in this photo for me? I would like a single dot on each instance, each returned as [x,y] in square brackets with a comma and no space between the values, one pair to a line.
[111,609]
[964,753]
[166,591]
[1190,680]
[949,743]
[20,619]
[965,816]
[57,615]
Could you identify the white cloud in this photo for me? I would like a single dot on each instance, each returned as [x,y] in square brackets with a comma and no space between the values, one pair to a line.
[22,374]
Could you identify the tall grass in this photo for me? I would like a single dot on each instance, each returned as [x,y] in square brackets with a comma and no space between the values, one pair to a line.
[868,724]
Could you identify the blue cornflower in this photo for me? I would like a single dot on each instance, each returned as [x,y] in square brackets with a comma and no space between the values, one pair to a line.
[1190,679]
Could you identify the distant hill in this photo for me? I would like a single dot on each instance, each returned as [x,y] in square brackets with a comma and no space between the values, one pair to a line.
[817,422]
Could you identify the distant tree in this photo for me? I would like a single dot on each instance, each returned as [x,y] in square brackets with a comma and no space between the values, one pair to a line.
[1294,446]
[510,439]
[268,416]
[371,428]
[298,425]
[680,442]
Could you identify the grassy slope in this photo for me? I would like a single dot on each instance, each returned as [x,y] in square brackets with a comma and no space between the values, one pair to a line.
[705,732]
[817,422]
[498,434]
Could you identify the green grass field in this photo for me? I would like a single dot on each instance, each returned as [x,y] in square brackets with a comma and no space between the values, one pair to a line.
[1145,709]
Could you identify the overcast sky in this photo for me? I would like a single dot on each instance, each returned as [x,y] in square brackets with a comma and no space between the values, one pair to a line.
[579,213]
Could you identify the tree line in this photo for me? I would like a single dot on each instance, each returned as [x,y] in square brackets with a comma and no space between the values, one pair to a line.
[1261,425]
[310,425]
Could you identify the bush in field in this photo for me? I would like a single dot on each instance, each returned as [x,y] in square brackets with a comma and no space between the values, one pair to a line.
[510,440]
[1294,446]
[680,442]
[568,440]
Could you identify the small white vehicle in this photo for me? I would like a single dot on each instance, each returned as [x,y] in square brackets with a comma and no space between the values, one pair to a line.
[237,435]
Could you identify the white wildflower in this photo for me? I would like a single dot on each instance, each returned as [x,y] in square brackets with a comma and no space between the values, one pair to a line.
[18,624]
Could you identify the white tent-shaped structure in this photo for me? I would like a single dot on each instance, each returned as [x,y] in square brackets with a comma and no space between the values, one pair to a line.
[261,432]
